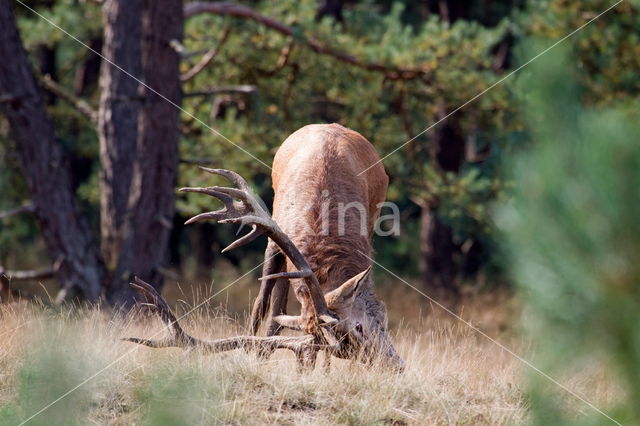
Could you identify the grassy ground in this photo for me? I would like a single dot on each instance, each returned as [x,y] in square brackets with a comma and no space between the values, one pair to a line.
[454,375]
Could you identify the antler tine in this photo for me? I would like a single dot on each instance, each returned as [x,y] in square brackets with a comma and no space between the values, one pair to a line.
[216,215]
[243,190]
[232,210]
[245,239]
[212,191]
[290,275]
[231,175]
[147,290]
[237,193]
[158,304]
[221,192]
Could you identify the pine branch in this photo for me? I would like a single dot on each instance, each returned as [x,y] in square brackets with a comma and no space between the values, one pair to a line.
[240,11]
[27,207]
[245,88]
[79,104]
[206,58]
[36,274]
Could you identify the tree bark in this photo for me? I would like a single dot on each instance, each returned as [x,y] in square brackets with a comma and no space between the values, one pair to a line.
[88,72]
[331,8]
[438,264]
[47,67]
[45,167]
[120,105]
[151,198]
[204,242]
[437,252]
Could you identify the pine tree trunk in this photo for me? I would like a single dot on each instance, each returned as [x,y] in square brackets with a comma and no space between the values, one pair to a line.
[438,264]
[120,105]
[45,167]
[88,71]
[151,195]
[437,255]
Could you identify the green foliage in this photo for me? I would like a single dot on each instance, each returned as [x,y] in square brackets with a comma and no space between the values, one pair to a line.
[83,21]
[458,59]
[573,235]
[175,397]
[311,87]
[51,367]
[11,186]
[573,229]
[608,50]
[319,88]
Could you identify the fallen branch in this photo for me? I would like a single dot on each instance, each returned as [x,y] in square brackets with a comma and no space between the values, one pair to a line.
[206,58]
[58,90]
[37,274]
[232,9]
[27,207]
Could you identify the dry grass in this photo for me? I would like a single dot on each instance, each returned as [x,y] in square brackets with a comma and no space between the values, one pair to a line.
[454,376]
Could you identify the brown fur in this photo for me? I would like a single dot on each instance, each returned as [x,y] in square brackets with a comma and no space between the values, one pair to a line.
[321,158]
[318,166]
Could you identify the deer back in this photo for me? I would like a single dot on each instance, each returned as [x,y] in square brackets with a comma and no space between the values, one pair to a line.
[323,204]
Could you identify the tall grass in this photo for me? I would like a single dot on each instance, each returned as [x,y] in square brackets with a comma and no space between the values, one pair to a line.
[454,376]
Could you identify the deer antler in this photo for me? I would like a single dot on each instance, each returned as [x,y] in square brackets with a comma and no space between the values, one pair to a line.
[304,347]
[242,206]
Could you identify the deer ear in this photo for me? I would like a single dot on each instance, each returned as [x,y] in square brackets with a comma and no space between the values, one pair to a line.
[343,296]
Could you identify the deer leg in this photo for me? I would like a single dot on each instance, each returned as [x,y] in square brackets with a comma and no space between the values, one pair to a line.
[274,262]
[279,298]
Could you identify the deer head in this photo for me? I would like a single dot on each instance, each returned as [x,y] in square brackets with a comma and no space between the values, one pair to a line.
[345,325]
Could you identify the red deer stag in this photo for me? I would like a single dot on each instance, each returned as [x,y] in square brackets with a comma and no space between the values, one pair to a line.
[319,244]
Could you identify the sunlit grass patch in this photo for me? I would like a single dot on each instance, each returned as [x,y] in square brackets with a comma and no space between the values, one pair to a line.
[453,376]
